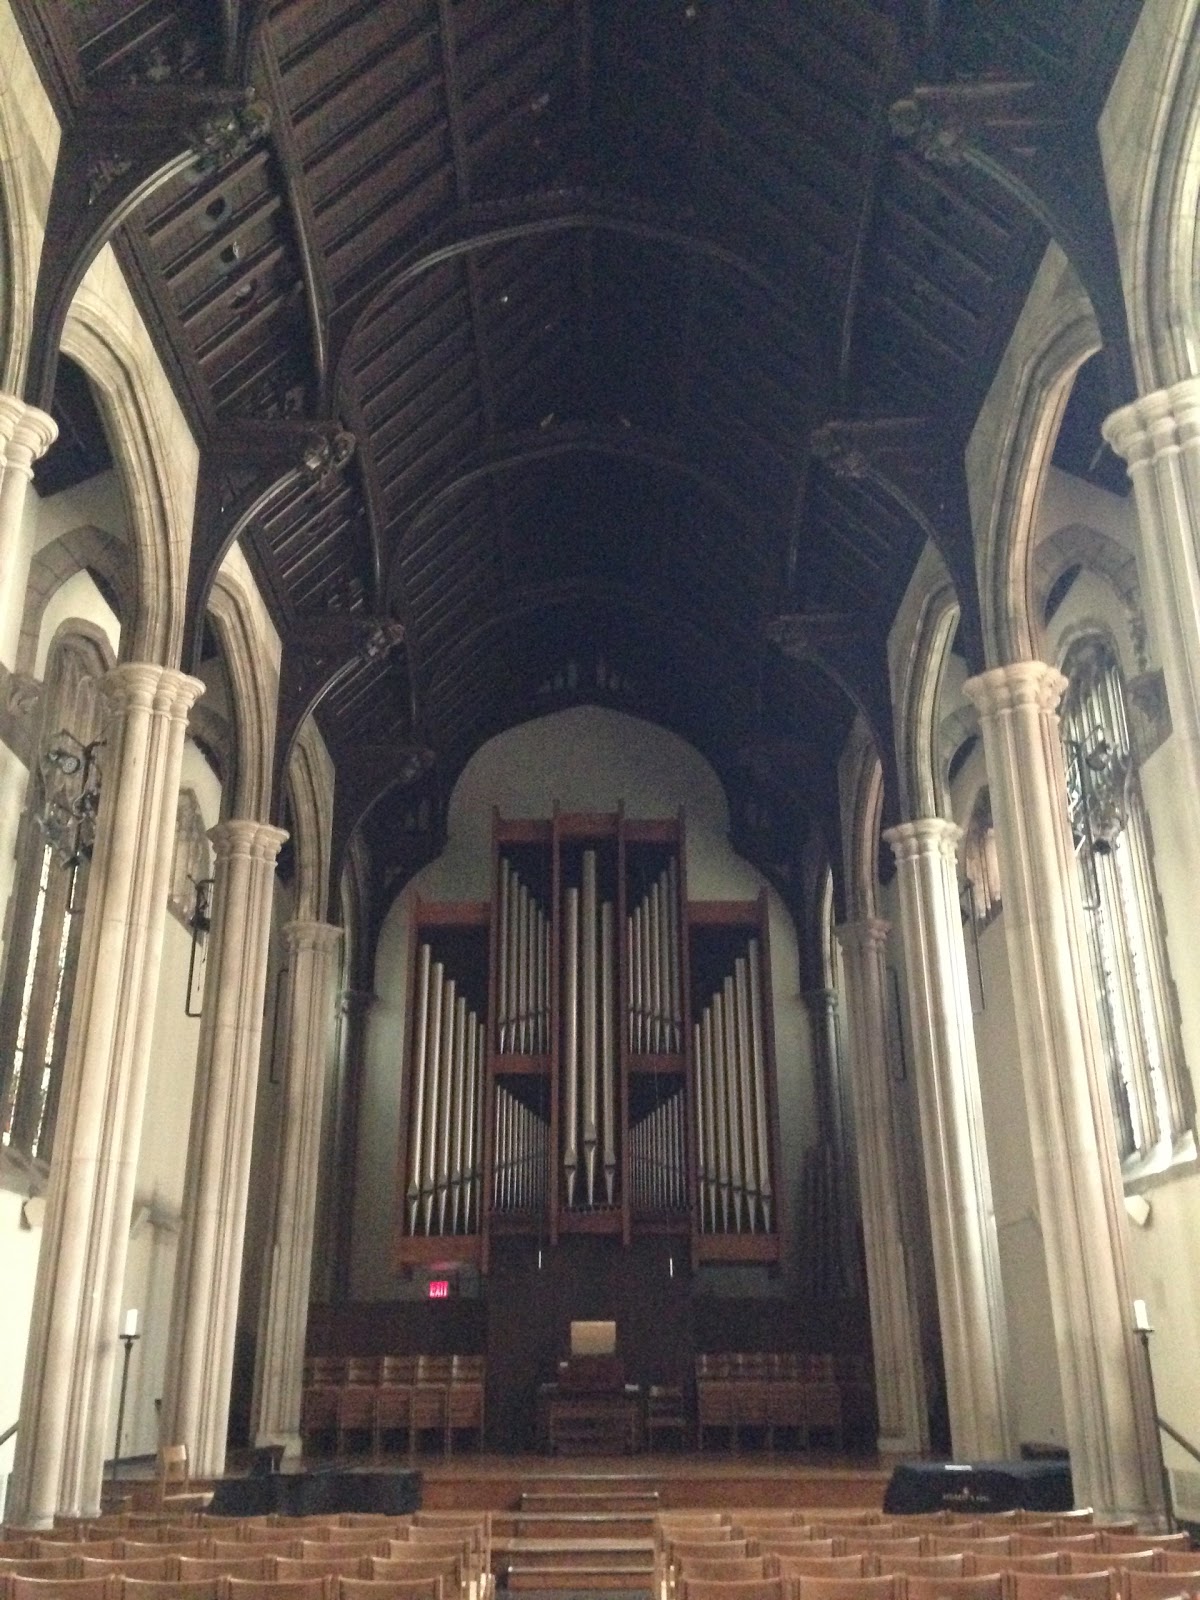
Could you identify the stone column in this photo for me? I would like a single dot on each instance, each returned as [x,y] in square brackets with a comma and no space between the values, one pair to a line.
[899,1375]
[312,956]
[72,1348]
[1109,1418]
[208,1269]
[356,1003]
[835,1126]
[25,434]
[957,1176]
[1159,438]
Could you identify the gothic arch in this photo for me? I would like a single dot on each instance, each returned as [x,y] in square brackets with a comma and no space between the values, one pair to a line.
[155,455]
[860,784]
[1010,451]
[82,549]
[251,652]
[310,785]
[921,640]
[1156,205]
[28,149]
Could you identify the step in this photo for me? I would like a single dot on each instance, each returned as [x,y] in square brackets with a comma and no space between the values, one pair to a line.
[573,1524]
[621,1500]
[624,1555]
[582,1579]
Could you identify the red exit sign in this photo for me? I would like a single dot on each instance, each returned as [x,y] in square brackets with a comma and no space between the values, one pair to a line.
[439,1288]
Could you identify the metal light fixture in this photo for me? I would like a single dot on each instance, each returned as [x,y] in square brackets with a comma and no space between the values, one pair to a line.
[200,924]
[71,799]
[1098,802]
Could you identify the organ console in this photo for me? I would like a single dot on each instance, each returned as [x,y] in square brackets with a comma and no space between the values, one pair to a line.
[589,1052]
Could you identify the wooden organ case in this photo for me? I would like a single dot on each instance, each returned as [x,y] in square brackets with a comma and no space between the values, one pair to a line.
[589,1052]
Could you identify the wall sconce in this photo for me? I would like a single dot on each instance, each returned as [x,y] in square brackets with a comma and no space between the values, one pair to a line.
[1098,802]
[71,799]
[200,923]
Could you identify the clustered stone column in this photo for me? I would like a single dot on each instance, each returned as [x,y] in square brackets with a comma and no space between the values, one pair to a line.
[312,960]
[25,435]
[957,1175]
[356,1004]
[72,1346]
[899,1375]
[823,1006]
[209,1264]
[1106,1400]
[1159,437]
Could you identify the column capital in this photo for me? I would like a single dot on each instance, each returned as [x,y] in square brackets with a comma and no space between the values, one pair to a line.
[356,1002]
[308,935]
[154,688]
[30,430]
[924,836]
[1021,685]
[242,836]
[821,1000]
[1157,424]
[868,933]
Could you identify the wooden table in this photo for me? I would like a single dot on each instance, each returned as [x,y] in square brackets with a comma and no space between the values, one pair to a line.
[579,1422]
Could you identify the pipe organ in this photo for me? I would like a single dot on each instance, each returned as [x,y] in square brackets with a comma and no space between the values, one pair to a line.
[589,1052]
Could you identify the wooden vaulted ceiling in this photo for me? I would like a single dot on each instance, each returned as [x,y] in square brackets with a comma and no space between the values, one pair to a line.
[587,282]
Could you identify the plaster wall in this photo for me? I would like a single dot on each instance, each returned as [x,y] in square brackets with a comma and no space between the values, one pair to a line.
[586,759]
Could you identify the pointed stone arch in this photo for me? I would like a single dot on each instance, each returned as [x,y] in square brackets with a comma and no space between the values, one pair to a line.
[921,640]
[310,788]
[155,454]
[252,652]
[860,784]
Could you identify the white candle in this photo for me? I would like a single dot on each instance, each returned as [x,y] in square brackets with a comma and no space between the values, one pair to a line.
[129,1331]
[1141,1317]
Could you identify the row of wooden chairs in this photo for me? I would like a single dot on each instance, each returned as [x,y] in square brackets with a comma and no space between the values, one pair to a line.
[115,1586]
[764,1393]
[784,1584]
[367,1401]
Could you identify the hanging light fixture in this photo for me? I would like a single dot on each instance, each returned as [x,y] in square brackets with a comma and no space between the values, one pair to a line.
[200,924]
[1098,801]
[71,798]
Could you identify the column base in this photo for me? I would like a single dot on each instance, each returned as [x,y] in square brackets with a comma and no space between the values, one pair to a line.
[292,1450]
[892,1445]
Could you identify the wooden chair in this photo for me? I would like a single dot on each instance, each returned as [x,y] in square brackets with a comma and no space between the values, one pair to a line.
[734,1589]
[1116,1542]
[1161,1585]
[393,1400]
[429,1392]
[665,1414]
[1050,1561]
[796,1539]
[390,1589]
[174,1481]
[339,1550]
[286,1568]
[1035,1544]
[140,1549]
[794,1565]
[464,1399]
[271,1589]
[727,1567]
[716,1401]
[1179,1561]
[1060,1586]
[920,1587]
[103,1587]
[162,1569]
[888,1564]
[893,1544]
[1096,1561]
[809,1588]
[177,1589]
[41,1567]
[767,1517]
[990,1549]
[200,1567]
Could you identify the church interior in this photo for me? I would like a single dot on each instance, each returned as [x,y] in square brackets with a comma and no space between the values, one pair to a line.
[599,736]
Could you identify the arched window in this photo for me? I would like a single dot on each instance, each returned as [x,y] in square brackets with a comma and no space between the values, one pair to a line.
[1151,1090]
[48,896]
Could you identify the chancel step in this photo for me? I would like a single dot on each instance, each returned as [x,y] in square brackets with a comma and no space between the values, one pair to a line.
[627,1502]
[591,1524]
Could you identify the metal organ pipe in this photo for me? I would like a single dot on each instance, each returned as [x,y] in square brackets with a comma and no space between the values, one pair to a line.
[571,1044]
[759,1073]
[420,1041]
[588,1020]
[502,959]
[608,1055]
